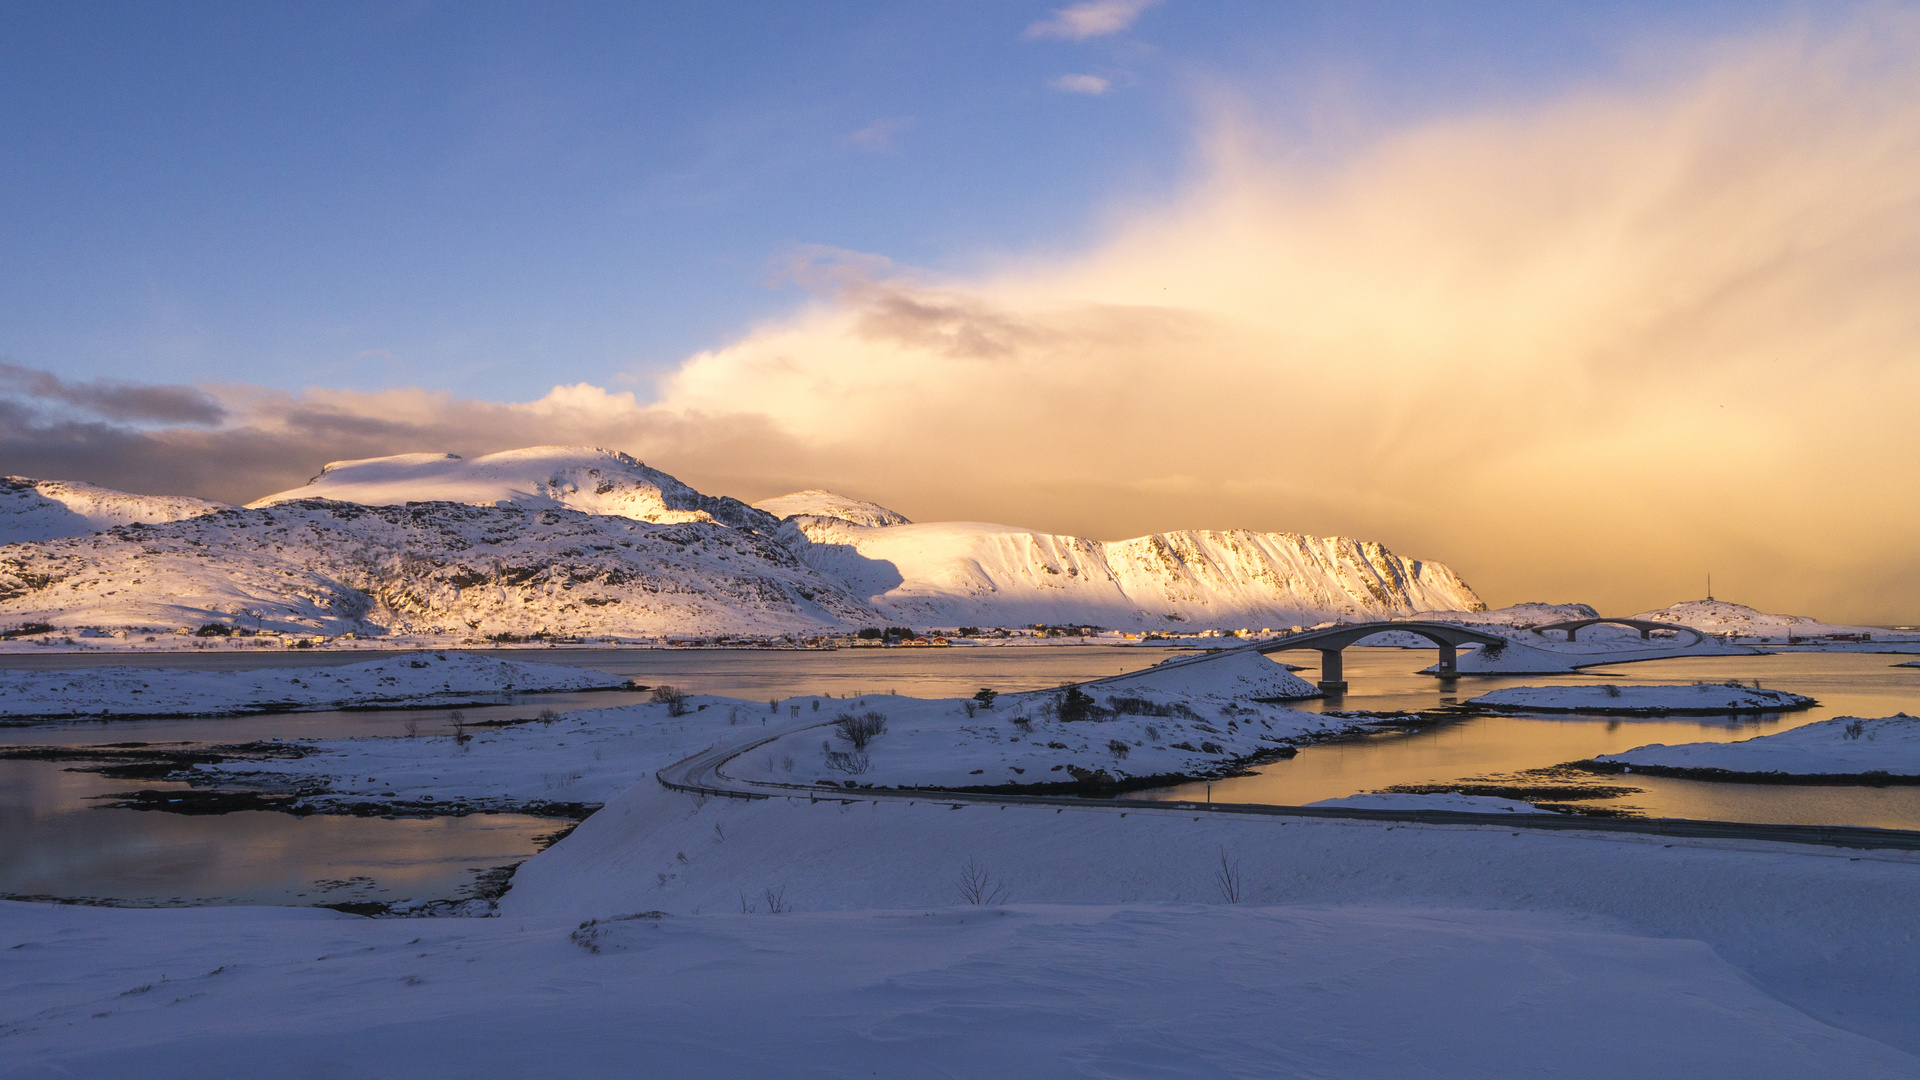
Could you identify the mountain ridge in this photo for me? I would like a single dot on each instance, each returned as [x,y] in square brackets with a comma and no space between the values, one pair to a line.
[582,541]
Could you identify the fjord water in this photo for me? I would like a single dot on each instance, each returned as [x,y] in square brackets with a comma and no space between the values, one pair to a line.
[1844,684]
[55,840]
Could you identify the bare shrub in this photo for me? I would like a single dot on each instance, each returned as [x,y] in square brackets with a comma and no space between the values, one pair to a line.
[776,900]
[977,886]
[1855,729]
[851,762]
[1153,733]
[1139,706]
[1024,723]
[971,708]
[1118,749]
[673,698]
[548,716]
[1612,690]
[857,730]
[1227,879]
[413,729]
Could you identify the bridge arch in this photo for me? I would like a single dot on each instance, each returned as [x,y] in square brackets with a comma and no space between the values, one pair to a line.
[1646,628]
[1331,641]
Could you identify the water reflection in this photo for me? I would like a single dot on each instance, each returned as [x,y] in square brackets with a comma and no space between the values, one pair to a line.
[56,841]
[1384,680]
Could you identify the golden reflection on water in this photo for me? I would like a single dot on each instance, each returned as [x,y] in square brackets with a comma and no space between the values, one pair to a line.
[1383,679]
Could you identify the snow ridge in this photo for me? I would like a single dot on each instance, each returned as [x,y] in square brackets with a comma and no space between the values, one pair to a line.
[51,509]
[583,478]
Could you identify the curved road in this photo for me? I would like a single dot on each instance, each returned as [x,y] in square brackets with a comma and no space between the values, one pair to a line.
[702,774]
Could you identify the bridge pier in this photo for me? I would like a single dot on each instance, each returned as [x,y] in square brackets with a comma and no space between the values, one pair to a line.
[1449,659]
[1333,675]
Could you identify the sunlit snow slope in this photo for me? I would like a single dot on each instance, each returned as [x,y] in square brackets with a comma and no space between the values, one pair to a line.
[49,509]
[955,573]
[583,478]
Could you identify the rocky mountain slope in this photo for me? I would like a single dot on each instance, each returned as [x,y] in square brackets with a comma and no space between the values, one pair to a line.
[433,569]
[578,541]
[50,509]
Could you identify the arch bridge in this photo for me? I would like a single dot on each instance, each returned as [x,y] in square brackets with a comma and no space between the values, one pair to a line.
[1331,640]
[1646,628]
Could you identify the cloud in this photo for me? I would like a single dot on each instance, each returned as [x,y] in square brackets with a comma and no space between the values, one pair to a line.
[1082,84]
[1582,348]
[113,400]
[879,136]
[1096,18]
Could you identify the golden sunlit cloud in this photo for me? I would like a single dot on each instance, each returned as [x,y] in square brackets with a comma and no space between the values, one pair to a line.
[1586,349]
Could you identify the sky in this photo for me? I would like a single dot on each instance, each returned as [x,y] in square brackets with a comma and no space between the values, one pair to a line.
[1586,300]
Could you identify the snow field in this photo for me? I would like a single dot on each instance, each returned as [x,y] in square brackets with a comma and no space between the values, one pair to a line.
[1825,930]
[413,680]
[1028,991]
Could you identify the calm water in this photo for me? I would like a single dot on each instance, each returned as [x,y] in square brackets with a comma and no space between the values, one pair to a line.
[1846,684]
[56,840]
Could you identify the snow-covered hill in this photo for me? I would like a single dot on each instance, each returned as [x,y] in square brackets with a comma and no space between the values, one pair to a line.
[433,569]
[50,509]
[583,478]
[969,573]
[815,502]
[1723,617]
[1514,616]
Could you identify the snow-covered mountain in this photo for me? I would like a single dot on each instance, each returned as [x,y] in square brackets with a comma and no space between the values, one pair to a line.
[582,478]
[578,541]
[437,569]
[970,573]
[50,509]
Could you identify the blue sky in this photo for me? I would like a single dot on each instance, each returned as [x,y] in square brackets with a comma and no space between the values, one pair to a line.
[492,198]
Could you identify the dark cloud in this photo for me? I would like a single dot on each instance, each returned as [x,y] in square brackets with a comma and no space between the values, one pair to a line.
[114,400]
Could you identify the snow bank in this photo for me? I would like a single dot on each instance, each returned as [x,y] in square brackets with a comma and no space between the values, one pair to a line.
[1843,746]
[1116,990]
[1472,804]
[584,757]
[1705,698]
[412,679]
